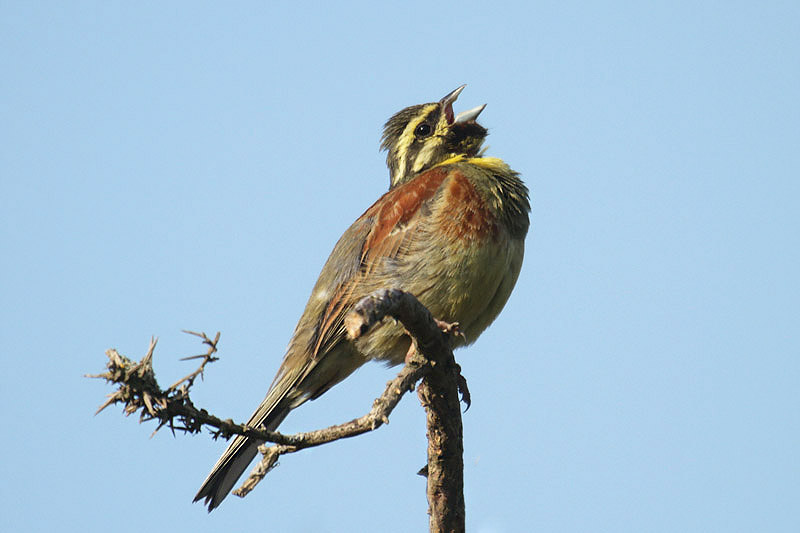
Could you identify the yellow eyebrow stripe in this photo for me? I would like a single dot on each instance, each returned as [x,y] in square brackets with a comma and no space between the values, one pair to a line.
[407,137]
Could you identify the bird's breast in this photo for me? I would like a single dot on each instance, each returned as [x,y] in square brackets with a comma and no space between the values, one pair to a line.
[463,216]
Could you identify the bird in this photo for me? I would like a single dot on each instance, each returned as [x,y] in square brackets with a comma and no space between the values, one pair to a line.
[450,230]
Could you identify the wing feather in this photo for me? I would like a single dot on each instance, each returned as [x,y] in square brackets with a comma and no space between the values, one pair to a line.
[394,221]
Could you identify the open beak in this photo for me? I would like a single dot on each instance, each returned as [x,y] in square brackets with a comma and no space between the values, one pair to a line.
[470,115]
[464,116]
[452,96]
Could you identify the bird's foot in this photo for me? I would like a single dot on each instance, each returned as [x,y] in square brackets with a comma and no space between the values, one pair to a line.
[463,389]
[451,328]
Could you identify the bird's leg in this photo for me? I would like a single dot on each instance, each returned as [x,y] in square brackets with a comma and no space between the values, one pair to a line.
[463,389]
[453,328]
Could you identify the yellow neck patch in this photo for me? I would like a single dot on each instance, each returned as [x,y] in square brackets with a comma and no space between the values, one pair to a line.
[492,164]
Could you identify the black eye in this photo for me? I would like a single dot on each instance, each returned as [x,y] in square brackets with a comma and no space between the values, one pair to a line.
[423,130]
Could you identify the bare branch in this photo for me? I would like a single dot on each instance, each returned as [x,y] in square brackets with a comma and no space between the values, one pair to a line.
[430,359]
[378,415]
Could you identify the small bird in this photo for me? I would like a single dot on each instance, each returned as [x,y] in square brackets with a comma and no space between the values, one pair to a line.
[450,230]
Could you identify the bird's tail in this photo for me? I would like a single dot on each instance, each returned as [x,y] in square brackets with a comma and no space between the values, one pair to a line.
[290,389]
[240,453]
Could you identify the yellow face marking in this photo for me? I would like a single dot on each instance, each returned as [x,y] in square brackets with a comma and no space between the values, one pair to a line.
[424,155]
[407,137]
[434,141]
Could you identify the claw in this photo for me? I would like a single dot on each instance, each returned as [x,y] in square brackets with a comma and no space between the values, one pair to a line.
[463,389]
[450,328]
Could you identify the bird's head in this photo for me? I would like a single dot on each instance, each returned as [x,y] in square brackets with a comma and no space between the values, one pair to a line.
[421,136]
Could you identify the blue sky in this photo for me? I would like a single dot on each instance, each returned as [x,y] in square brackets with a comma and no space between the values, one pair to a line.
[190,166]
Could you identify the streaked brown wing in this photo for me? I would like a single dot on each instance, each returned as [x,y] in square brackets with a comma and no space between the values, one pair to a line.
[394,221]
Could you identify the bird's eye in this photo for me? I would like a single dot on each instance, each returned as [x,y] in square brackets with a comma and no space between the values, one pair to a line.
[423,130]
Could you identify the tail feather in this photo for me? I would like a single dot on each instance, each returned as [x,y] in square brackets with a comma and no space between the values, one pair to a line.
[230,467]
[226,472]
[290,389]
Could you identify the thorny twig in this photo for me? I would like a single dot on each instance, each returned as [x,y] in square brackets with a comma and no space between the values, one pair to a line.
[207,358]
[139,389]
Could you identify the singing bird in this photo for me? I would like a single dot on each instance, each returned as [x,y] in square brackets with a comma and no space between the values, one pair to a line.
[450,230]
